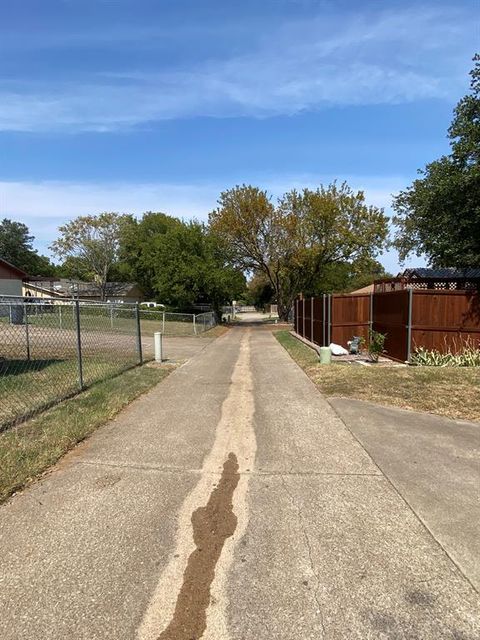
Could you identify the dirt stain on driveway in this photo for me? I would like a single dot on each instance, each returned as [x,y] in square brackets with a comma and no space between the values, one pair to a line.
[212,525]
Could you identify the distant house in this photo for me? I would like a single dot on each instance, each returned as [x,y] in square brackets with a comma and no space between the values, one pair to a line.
[368,289]
[425,278]
[40,289]
[116,292]
[64,288]
[11,279]
[447,278]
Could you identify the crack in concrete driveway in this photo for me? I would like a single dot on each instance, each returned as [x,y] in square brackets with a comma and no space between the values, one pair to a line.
[212,525]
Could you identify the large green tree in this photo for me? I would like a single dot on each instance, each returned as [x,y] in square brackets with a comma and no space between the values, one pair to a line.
[293,242]
[180,263]
[141,242]
[16,247]
[90,246]
[337,277]
[344,277]
[439,213]
[259,290]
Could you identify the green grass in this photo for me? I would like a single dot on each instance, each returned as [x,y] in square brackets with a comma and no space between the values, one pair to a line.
[303,355]
[451,392]
[122,322]
[29,386]
[29,449]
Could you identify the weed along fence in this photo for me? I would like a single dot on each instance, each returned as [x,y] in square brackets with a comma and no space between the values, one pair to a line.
[410,318]
[51,349]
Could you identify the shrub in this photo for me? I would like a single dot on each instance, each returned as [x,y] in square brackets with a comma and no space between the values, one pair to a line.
[376,343]
[467,356]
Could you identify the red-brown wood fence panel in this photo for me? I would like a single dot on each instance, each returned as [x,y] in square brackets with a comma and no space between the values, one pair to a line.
[307,310]
[318,336]
[410,319]
[350,316]
[390,316]
[445,320]
[299,317]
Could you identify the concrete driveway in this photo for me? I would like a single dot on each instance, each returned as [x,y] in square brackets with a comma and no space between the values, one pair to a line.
[231,502]
[434,463]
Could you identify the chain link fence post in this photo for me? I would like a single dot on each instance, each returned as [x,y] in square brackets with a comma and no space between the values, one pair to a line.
[27,331]
[139,333]
[79,344]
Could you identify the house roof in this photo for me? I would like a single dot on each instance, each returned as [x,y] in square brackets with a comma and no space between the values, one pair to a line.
[451,273]
[12,267]
[367,289]
[36,286]
[111,289]
[66,287]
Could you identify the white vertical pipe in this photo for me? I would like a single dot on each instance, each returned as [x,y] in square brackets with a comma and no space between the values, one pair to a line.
[158,343]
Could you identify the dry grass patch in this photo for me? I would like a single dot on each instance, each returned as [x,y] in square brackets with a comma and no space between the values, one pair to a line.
[29,449]
[215,332]
[452,392]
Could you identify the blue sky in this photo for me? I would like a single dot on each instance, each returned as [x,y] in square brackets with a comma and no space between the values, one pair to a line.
[125,105]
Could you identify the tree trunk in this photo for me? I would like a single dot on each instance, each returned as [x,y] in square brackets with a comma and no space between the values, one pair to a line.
[217,309]
[283,311]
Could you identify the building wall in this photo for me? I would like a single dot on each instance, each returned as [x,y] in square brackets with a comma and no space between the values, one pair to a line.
[10,286]
[37,292]
[8,274]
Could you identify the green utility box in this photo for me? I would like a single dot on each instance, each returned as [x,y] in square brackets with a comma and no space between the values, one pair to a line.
[325,355]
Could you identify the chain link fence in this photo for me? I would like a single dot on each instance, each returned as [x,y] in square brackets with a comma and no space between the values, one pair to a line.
[175,324]
[50,349]
[204,322]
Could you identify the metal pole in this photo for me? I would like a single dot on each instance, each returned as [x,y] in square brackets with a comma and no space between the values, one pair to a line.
[27,332]
[409,325]
[329,325]
[163,323]
[370,323]
[79,344]
[194,325]
[60,314]
[323,320]
[158,344]
[139,334]
[303,318]
[311,319]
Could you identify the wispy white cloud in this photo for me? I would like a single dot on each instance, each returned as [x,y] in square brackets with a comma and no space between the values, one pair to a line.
[44,206]
[60,201]
[389,57]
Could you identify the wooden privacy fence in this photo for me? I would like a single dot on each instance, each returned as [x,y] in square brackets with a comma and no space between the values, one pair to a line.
[410,319]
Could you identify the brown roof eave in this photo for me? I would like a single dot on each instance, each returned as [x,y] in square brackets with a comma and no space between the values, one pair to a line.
[12,267]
